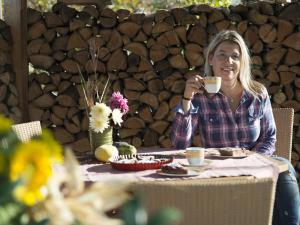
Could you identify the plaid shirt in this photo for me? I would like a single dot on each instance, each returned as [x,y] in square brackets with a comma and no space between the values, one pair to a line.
[252,126]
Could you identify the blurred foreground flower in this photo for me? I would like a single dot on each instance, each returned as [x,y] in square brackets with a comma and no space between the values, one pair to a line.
[36,188]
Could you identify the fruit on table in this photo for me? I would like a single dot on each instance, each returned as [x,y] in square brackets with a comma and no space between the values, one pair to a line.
[125,149]
[104,153]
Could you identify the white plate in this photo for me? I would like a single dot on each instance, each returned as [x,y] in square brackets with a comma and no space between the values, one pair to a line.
[205,163]
[191,173]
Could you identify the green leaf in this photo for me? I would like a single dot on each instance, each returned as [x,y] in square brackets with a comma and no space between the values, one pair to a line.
[10,213]
[42,222]
[133,213]
[165,216]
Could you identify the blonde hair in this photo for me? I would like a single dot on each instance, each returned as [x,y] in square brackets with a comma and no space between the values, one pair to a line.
[245,76]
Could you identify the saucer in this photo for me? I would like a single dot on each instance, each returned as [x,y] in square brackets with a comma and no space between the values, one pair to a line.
[205,163]
[191,173]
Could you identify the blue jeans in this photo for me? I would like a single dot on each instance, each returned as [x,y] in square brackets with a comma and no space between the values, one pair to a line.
[287,199]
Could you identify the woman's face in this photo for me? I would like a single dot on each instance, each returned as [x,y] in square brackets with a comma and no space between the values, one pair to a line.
[225,61]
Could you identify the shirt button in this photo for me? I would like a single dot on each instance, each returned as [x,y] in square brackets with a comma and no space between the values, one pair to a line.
[210,120]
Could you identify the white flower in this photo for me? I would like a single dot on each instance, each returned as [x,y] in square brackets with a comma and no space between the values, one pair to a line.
[117,116]
[99,124]
[100,110]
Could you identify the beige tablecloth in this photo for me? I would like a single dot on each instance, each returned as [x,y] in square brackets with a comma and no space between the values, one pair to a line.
[253,165]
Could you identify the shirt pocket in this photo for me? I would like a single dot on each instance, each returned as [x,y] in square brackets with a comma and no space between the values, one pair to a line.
[254,115]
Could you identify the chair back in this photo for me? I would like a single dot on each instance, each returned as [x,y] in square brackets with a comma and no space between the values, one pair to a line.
[284,119]
[25,131]
[217,201]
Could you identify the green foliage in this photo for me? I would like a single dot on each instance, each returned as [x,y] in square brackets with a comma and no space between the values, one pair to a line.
[152,6]
[146,6]
[41,5]
[134,213]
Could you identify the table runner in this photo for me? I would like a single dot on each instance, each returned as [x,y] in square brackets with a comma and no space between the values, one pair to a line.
[253,165]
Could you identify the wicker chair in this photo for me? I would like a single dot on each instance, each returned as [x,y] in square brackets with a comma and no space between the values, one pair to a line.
[218,201]
[284,119]
[25,131]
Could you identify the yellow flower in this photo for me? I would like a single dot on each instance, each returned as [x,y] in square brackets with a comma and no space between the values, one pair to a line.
[5,124]
[31,164]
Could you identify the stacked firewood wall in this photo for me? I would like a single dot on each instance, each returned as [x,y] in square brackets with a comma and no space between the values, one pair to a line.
[149,58]
[9,103]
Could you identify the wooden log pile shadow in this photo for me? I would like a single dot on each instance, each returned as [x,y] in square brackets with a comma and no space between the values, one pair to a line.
[9,103]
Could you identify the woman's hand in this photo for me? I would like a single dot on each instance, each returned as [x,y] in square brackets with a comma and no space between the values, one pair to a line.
[192,86]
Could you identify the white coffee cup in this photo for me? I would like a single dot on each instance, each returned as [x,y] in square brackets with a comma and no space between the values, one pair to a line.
[212,84]
[195,156]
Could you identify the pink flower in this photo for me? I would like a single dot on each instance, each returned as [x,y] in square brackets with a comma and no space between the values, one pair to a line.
[117,101]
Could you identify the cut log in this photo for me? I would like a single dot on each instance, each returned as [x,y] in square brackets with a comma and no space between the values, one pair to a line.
[287,77]
[174,101]
[36,30]
[181,32]
[71,127]
[60,111]
[161,27]
[52,20]
[275,55]
[133,84]
[70,66]
[145,114]
[273,76]
[132,95]
[117,61]
[134,123]
[255,17]
[130,29]
[137,48]
[178,61]
[56,120]
[182,16]
[41,61]
[279,98]
[289,92]
[108,18]
[251,36]
[76,41]
[125,133]
[44,101]
[81,146]
[65,100]
[267,33]
[150,138]
[149,99]
[215,16]
[155,86]
[62,135]
[3,92]
[292,41]
[158,52]
[159,126]
[178,86]
[292,57]
[115,41]
[164,96]
[291,104]
[198,35]
[5,77]
[285,28]
[162,111]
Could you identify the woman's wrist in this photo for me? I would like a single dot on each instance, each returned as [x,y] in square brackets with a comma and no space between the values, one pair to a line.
[186,98]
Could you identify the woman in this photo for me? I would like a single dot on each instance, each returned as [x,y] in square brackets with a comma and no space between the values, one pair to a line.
[239,115]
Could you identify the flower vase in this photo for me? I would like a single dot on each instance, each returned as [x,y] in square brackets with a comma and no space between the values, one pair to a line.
[98,139]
